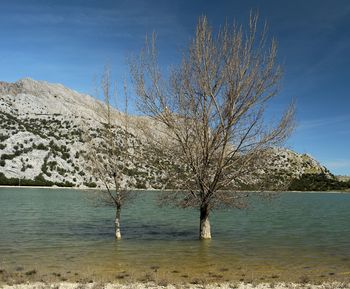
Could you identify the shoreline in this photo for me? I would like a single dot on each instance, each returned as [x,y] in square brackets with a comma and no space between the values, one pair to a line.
[162,190]
[162,285]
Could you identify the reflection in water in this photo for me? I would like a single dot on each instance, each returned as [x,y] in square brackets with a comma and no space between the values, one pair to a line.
[63,230]
[204,253]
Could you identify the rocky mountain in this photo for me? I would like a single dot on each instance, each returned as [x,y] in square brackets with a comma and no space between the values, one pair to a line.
[41,142]
[41,138]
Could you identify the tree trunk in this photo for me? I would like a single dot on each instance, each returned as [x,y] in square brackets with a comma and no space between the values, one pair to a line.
[118,234]
[204,228]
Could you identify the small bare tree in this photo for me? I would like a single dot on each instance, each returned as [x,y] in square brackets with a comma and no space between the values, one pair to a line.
[107,151]
[211,112]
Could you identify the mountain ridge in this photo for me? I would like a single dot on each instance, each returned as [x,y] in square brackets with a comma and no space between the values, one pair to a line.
[41,142]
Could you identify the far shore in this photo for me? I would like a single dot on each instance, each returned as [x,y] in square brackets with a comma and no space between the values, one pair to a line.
[162,190]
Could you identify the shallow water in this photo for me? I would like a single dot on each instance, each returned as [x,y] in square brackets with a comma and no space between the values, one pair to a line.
[294,235]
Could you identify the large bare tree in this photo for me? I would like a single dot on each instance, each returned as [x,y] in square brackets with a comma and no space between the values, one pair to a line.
[107,150]
[210,111]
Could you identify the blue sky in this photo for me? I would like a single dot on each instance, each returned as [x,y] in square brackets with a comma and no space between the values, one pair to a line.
[70,41]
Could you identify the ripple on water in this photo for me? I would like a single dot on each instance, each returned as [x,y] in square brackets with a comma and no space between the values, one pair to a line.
[64,230]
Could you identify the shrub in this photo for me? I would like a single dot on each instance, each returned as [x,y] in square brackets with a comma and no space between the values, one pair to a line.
[140,184]
[7,157]
[90,184]
[40,147]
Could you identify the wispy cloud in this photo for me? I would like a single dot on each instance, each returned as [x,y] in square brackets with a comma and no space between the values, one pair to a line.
[322,122]
[113,19]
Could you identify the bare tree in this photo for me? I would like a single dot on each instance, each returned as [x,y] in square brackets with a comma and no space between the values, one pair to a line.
[211,112]
[107,152]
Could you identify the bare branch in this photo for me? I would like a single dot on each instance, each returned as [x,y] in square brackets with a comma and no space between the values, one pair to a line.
[210,111]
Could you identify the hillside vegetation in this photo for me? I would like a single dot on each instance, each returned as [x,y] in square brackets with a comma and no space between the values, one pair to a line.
[42,143]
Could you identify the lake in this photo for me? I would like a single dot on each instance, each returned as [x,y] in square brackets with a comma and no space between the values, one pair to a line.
[66,234]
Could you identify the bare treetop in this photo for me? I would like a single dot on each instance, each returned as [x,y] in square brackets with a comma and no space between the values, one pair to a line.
[213,106]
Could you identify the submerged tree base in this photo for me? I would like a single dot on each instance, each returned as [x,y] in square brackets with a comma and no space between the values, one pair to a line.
[205,232]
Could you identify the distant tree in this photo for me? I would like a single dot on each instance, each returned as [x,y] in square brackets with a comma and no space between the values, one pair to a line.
[317,182]
[107,152]
[210,112]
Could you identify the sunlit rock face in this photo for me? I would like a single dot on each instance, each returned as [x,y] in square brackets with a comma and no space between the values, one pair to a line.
[41,142]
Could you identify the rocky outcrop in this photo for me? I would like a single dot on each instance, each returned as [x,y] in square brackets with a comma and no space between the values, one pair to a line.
[41,142]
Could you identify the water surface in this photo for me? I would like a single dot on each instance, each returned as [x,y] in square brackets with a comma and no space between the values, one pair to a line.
[54,230]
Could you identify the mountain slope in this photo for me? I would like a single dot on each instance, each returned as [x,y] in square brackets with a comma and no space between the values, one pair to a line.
[41,142]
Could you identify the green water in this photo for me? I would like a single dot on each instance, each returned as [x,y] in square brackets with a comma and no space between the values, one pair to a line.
[66,231]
